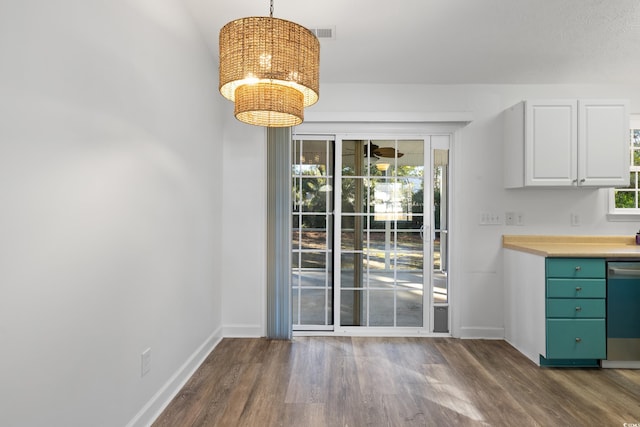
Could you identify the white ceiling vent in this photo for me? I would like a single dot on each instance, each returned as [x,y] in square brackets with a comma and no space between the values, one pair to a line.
[324,33]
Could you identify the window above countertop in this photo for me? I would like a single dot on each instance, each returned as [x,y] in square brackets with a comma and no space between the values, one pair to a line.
[624,202]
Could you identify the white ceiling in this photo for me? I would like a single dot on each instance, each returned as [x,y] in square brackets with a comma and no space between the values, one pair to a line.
[457,41]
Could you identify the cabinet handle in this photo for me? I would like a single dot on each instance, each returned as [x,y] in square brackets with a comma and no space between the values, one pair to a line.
[578,268]
[578,339]
[578,308]
[583,180]
[578,288]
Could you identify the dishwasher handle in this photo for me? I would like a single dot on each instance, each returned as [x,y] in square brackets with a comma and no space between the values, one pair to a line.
[624,271]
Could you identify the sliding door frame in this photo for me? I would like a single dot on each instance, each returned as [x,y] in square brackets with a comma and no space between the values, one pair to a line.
[339,131]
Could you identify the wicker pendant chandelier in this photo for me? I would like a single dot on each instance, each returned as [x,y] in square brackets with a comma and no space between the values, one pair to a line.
[269,68]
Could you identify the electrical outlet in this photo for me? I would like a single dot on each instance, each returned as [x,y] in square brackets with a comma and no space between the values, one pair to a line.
[510,218]
[145,358]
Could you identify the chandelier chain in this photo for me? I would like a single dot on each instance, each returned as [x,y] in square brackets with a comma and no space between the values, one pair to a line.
[271,10]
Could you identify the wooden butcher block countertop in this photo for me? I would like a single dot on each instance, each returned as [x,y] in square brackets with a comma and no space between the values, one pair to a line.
[574,246]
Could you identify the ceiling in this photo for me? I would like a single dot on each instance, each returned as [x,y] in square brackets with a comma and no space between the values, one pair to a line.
[457,41]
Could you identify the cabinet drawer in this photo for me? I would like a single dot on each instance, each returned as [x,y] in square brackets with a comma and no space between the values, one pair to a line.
[576,339]
[576,267]
[576,288]
[576,308]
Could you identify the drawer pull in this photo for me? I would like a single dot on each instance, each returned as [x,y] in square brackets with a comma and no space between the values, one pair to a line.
[578,288]
[578,308]
[578,339]
[578,268]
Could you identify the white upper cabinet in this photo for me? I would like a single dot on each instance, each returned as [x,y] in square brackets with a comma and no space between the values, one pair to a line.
[603,142]
[566,143]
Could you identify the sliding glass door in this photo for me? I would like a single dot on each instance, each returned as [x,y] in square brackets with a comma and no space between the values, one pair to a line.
[363,230]
[382,223]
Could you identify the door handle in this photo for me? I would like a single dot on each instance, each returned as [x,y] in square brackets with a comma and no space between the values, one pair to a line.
[422,231]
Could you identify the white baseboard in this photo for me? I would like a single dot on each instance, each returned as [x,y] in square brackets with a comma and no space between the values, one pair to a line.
[482,333]
[242,331]
[154,407]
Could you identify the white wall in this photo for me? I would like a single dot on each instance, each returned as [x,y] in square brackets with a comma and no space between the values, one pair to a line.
[111,190]
[244,234]
[476,262]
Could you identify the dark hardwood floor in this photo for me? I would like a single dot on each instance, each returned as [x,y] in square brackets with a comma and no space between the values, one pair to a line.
[343,381]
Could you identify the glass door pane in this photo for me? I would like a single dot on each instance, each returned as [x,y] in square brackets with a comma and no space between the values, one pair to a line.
[441,230]
[382,218]
[312,234]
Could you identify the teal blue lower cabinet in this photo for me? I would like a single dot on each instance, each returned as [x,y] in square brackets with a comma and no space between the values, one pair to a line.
[575,312]
[575,268]
[576,339]
[576,288]
[576,308]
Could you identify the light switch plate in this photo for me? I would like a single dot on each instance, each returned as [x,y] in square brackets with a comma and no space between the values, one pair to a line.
[575,220]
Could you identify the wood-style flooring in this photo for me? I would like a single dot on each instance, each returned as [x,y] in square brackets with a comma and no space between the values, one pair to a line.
[355,382]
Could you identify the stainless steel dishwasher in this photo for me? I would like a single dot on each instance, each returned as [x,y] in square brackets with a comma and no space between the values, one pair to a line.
[623,315]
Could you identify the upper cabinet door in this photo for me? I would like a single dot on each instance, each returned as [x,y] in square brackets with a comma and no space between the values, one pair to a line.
[551,142]
[567,143]
[603,142]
